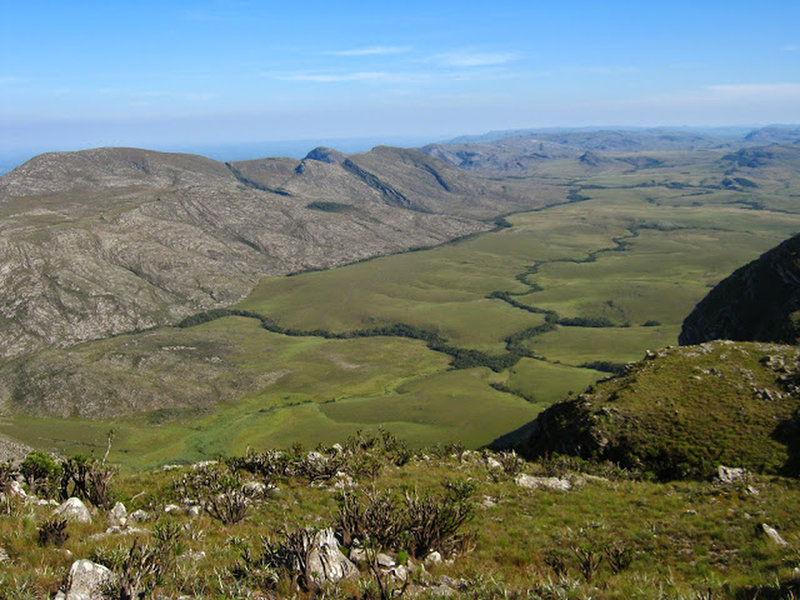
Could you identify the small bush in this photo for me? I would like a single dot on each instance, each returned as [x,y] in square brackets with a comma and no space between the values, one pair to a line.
[218,490]
[41,472]
[53,532]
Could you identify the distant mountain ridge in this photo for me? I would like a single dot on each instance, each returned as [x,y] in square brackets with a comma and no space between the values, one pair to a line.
[102,241]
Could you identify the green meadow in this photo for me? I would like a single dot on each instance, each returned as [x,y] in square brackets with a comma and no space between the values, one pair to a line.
[633,260]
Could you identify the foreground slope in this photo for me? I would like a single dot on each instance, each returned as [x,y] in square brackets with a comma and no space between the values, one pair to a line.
[102,241]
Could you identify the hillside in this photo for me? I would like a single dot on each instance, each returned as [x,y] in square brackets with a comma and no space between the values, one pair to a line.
[684,411]
[758,302]
[98,242]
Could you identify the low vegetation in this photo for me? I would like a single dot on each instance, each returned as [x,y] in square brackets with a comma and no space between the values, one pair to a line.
[444,521]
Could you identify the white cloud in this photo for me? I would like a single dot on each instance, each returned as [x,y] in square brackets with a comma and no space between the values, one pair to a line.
[474,59]
[371,51]
[328,78]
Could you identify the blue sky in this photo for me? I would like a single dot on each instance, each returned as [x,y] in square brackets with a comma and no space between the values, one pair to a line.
[78,74]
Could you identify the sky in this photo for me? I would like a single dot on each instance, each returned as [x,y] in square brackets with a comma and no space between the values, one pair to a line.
[182,74]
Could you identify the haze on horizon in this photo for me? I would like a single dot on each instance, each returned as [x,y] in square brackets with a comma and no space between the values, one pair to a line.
[190,73]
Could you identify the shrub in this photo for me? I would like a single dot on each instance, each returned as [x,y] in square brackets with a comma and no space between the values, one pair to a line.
[41,472]
[87,479]
[434,523]
[218,490]
[53,531]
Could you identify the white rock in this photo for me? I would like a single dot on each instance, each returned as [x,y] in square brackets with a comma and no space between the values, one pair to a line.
[74,510]
[4,556]
[399,572]
[433,558]
[86,580]
[60,596]
[254,488]
[493,463]
[326,561]
[358,555]
[535,483]
[138,516]
[730,474]
[385,561]
[172,508]
[14,490]
[773,534]
[204,463]
[194,510]
[118,516]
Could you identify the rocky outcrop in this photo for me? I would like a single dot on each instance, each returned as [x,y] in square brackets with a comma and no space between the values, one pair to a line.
[758,302]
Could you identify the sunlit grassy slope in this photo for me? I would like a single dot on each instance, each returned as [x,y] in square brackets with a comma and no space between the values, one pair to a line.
[630,252]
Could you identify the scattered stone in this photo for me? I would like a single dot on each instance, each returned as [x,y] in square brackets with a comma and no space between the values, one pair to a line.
[493,463]
[433,558]
[138,516]
[170,467]
[489,502]
[731,474]
[74,510]
[254,488]
[751,490]
[400,573]
[773,535]
[14,490]
[326,561]
[535,483]
[118,516]
[172,508]
[4,557]
[385,561]
[194,510]
[358,555]
[86,580]
[204,464]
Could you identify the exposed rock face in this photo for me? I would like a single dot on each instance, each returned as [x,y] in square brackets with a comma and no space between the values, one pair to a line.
[758,302]
[103,241]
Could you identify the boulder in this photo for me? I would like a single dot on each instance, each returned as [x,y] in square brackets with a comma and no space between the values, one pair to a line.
[87,580]
[73,510]
[118,516]
[326,561]
[537,483]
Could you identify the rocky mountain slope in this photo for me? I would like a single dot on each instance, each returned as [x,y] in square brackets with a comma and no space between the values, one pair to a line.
[102,241]
[758,302]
